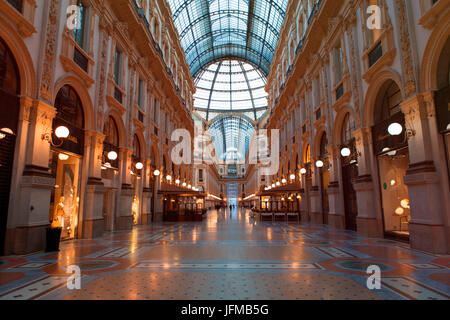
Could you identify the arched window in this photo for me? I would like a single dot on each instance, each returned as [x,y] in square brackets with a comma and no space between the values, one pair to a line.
[9,73]
[390,102]
[307,158]
[136,149]
[348,126]
[69,113]
[69,108]
[111,142]
[323,145]
[111,132]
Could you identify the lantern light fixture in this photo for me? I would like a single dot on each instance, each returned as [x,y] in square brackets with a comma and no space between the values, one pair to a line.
[156,173]
[345,152]
[395,129]
[62,132]
[63,157]
[319,163]
[139,165]
[278,183]
[169,177]
[184,184]
[292,176]
[303,171]
[112,155]
[177,181]
[283,181]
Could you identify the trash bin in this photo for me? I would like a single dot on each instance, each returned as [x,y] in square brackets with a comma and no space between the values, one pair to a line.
[53,236]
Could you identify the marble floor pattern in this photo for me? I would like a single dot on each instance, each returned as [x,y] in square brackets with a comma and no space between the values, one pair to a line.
[228,256]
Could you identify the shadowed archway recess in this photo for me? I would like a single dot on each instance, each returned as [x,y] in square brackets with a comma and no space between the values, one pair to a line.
[212,30]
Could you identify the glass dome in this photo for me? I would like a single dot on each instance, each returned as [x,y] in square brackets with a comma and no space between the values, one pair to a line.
[230,86]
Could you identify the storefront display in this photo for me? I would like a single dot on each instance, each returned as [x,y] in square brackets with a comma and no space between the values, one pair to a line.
[65,196]
[65,163]
[391,147]
[392,167]
[9,91]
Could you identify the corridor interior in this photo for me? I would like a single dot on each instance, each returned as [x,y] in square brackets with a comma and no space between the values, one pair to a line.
[228,256]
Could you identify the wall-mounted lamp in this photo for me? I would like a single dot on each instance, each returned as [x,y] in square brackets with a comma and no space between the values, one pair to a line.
[396,129]
[5,131]
[139,165]
[61,133]
[346,152]
[319,164]
[112,155]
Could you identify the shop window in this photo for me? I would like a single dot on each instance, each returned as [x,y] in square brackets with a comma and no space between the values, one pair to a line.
[136,180]
[393,161]
[65,163]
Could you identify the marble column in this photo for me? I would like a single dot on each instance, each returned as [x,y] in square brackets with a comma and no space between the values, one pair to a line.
[336,216]
[125,218]
[93,221]
[427,230]
[367,222]
[27,232]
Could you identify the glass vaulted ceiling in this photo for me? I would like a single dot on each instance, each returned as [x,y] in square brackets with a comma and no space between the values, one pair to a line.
[211,30]
[230,86]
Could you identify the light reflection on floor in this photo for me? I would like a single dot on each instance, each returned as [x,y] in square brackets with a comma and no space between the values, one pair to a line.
[228,256]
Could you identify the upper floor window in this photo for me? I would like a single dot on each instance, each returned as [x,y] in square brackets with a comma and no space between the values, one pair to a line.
[338,63]
[155,110]
[18,4]
[118,67]
[80,32]
[141,94]
[374,34]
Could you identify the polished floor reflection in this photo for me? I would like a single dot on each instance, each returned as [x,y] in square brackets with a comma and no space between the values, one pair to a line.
[228,256]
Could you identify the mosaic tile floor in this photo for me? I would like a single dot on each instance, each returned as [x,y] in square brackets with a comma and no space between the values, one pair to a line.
[230,257]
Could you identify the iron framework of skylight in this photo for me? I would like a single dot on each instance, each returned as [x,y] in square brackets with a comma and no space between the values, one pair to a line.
[211,30]
[235,144]
[230,86]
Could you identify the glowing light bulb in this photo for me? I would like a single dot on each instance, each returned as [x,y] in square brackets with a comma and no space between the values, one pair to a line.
[405,203]
[157,173]
[139,165]
[345,152]
[395,129]
[399,211]
[177,181]
[303,171]
[63,157]
[319,163]
[292,176]
[283,181]
[112,155]
[169,177]
[62,132]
